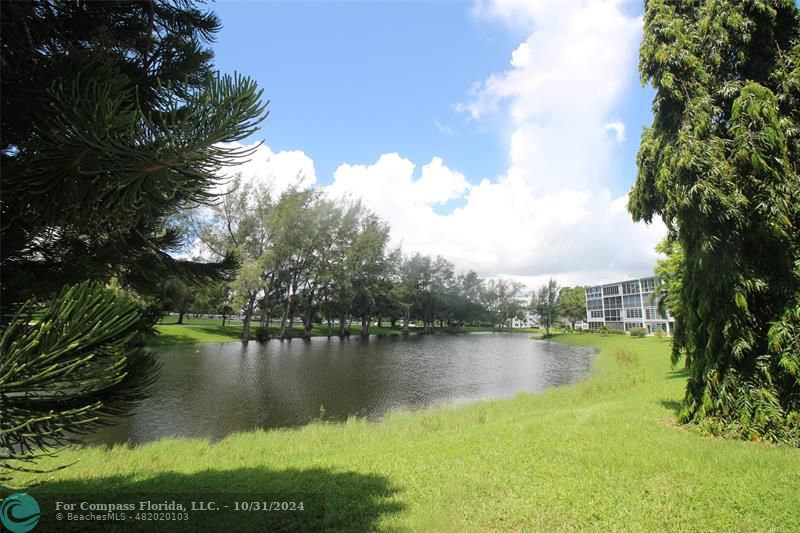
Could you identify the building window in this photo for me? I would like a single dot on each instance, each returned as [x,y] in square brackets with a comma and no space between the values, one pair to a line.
[613,315]
[631,325]
[648,284]
[630,287]
[651,313]
[597,314]
[594,304]
[595,325]
[610,290]
[593,292]
[633,313]
[632,300]
[615,302]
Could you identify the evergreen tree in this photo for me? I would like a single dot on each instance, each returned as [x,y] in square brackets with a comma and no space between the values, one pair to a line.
[720,166]
[69,371]
[112,121]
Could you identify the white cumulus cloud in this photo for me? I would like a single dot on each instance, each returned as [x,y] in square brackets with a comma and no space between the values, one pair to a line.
[551,213]
[277,170]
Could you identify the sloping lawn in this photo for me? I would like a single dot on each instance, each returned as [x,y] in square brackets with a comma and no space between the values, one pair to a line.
[604,454]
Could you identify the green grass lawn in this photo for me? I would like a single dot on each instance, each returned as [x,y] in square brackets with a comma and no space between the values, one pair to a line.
[200,330]
[604,454]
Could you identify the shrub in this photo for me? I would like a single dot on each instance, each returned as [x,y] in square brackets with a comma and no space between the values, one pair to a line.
[638,332]
[604,330]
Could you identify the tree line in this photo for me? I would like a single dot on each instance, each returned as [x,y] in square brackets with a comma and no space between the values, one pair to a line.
[308,258]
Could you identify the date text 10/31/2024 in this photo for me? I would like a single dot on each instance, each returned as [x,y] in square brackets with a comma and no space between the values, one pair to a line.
[264,506]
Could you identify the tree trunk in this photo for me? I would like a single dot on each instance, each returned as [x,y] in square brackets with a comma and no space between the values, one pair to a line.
[406,318]
[248,316]
[223,320]
[364,326]
[265,320]
[380,321]
[343,325]
[287,312]
[309,322]
[330,327]
[180,316]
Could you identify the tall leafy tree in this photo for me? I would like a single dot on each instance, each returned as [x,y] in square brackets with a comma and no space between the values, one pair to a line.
[545,304]
[720,166]
[239,221]
[572,304]
[179,297]
[502,301]
[368,265]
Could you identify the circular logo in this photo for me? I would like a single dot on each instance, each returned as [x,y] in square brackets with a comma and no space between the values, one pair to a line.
[19,512]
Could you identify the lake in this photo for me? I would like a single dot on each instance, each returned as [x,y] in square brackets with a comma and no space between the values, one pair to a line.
[212,390]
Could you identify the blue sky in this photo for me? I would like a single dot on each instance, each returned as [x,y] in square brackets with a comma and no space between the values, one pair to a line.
[350,82]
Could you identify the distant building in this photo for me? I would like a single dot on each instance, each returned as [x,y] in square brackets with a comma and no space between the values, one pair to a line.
[625,305]
[529,319]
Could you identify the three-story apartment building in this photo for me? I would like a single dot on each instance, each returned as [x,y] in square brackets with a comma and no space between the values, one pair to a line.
[625,305]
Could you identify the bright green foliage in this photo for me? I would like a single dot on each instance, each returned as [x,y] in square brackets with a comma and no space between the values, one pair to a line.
[572,304]
[64,373]
[112,122]
[670,273]
[720,166]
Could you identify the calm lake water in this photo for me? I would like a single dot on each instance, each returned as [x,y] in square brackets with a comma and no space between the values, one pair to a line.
[211,390]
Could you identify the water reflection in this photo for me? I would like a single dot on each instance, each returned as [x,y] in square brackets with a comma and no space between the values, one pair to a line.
[212,390]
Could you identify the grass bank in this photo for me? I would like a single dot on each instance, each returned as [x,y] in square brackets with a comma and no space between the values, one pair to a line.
[201,330]
[604,454]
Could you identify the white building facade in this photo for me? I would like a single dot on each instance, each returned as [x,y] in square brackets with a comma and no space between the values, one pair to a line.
[529,320]
[626,305]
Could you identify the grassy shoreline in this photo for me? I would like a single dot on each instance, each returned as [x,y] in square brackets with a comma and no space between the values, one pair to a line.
[203,330]
[603,454]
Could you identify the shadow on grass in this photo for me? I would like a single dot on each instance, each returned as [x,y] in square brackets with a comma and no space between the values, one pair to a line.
[682,373]
[672,405]
[331,501]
